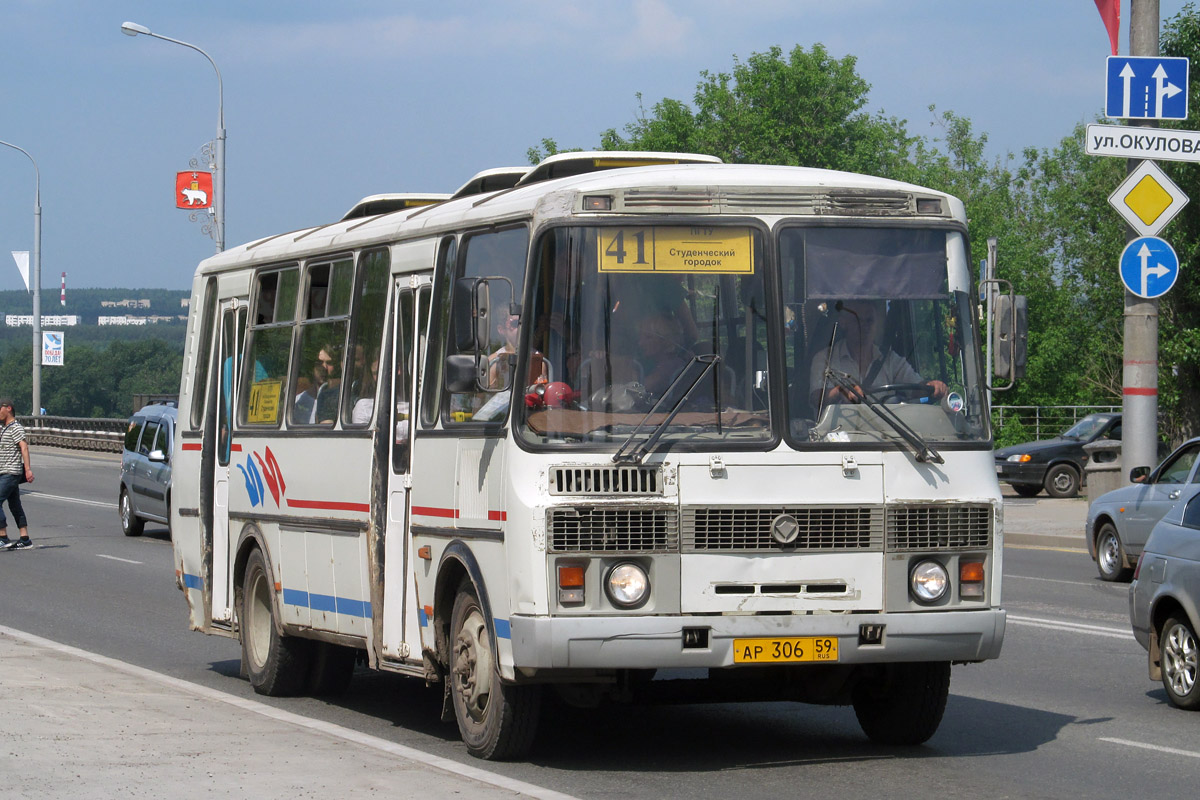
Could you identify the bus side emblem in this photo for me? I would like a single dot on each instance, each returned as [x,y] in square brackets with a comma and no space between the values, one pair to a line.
[785,529]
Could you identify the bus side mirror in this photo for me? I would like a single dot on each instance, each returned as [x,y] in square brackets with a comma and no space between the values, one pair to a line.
[1139,474]
[1011,327]
[472,314]
[466,372]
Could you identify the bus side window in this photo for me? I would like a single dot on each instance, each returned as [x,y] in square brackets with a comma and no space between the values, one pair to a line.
[366,336]
[320,354]
[203,356]
[493,254]
[402,389]
[269,342]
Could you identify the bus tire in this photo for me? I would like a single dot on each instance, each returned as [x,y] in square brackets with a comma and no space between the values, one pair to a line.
[496,720]
[276,665]
[905,707]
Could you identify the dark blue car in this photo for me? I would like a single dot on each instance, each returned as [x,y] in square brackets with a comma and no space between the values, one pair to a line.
[1055,465]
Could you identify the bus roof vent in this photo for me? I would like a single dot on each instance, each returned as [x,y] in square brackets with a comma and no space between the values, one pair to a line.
[870,201]
[670,200]
[565,165]
[491,180]
[614,481]
[781,201]
[386,203]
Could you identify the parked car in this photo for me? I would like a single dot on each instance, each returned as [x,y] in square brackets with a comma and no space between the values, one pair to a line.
[1055,465]
[1119,522]
[1163,600]
[146,469]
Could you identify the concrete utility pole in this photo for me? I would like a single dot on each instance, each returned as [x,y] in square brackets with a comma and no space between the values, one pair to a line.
[1140,371]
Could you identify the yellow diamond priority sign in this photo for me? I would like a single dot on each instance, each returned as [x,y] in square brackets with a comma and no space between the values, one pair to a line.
[1148,199]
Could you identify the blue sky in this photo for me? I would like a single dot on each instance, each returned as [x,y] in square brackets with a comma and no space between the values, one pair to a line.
[328,102]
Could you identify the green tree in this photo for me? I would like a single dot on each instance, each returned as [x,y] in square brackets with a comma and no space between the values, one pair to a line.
[804,109]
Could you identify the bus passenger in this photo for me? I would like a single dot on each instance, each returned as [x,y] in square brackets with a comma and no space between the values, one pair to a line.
[856,354]
[509,329]
[329,360]
[660,351]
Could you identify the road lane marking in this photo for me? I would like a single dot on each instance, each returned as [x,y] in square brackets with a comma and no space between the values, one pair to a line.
[1156,747]
[1051,580]
[99,503]
[1072,627]
[114,558]
[1045,547]
[319,726]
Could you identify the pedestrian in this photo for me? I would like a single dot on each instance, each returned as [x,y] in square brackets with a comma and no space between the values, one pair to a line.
[15,468]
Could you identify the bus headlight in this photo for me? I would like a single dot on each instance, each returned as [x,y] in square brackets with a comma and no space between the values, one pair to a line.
[928,582]
[627,585]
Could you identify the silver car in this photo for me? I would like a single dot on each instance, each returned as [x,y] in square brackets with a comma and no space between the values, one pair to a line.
[1163,600]
[146,469]
[1120,521]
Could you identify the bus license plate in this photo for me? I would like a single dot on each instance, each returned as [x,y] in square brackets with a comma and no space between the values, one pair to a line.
[792,649]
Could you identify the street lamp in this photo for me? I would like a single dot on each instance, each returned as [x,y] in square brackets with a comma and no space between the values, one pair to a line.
[37,282]
[133,29]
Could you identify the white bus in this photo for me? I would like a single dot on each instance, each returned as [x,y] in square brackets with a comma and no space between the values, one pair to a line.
[638,426]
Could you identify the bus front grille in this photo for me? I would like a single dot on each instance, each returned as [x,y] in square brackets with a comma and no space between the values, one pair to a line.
[606,480]
[823,528]
[612,529]
[939,527]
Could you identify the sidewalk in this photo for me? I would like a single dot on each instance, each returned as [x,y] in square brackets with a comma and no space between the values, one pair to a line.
[80,725]
[1043,521]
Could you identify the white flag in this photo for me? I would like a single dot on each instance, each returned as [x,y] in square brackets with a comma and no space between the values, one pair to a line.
[22,259]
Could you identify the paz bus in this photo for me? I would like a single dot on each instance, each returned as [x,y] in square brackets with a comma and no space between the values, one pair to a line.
[608,431]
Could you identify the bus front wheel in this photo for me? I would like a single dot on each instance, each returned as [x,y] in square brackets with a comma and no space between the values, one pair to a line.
[905,705]
[496,720]
[276,665]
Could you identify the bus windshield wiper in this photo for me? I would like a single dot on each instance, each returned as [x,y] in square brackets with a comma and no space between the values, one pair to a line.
[700,366]
[922,449]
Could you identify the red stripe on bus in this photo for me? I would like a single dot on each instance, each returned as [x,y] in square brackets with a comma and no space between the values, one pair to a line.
[429,511]
[237,448]
[1146,392]
[329,505]
[191,446]
[497,516]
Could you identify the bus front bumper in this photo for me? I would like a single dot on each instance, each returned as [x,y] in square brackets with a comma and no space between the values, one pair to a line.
[622,642]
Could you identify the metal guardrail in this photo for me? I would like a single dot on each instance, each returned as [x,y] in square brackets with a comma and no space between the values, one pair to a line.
[76,433]
[1043,422]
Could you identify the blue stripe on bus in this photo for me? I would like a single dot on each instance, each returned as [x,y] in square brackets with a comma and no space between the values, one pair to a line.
[503,631]
[193,581]
[422,618]
[327,602]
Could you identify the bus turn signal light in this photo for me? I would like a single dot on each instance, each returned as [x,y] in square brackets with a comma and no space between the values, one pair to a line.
[970,579]
[570,584]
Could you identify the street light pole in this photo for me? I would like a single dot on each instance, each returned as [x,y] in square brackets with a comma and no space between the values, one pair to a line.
[37,282]
[133,29]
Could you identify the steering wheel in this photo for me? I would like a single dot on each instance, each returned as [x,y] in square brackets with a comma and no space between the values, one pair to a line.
[902,392]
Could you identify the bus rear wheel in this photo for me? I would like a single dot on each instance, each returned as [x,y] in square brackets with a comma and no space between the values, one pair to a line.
[276,665]
[496,720]
[905,706]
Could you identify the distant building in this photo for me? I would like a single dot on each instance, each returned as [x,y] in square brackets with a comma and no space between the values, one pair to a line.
[58,320]
[121,320]
[184,302]
[124,303]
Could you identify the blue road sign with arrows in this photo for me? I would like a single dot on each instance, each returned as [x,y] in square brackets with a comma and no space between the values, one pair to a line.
[1149,267]
[1146,87]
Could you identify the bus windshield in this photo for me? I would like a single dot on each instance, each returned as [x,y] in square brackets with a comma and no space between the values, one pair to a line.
[877,341]
[618,315]
[879,336]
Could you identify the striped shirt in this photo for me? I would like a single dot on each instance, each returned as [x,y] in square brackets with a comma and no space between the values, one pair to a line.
[11,460]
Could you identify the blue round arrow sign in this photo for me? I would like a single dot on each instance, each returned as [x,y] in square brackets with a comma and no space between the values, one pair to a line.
[1149,267]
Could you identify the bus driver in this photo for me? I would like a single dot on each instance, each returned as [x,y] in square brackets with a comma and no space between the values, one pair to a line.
[856,354]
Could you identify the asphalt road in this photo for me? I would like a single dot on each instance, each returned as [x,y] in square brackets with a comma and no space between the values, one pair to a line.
[1067,710]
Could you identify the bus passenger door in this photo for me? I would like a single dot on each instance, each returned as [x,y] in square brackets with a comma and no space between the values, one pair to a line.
[233,327]
[401,630]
